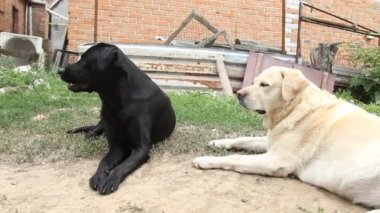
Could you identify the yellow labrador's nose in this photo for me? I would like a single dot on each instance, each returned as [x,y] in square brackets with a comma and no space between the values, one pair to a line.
[240,95]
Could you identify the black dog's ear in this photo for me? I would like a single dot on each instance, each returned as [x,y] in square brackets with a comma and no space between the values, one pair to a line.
[109,57]
[118,58]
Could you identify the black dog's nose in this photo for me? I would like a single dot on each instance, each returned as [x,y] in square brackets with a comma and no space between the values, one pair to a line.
[61,71]
[240,95]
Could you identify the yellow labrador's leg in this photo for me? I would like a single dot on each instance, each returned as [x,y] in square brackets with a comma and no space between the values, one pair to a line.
[263,164]
[254,144]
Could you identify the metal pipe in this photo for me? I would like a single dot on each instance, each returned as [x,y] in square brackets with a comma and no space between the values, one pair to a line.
[298,50]
[56,14]
[322,11]
[337,26]
[329,24]
[283,26]
[96,22]
[343,19]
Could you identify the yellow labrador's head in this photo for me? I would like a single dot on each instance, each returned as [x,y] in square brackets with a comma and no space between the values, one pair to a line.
[272,89]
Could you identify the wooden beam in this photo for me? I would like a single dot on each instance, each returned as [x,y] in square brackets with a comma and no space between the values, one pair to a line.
[224,80]
[210,40]
[204,21]
[201,19]
[180,28]
[249,73]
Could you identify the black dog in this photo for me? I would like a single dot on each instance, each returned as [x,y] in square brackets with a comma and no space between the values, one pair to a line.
[135,112]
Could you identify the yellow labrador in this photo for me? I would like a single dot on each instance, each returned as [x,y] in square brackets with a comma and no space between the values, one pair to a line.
[322,140]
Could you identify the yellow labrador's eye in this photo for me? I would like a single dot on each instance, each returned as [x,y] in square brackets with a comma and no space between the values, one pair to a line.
[263,84]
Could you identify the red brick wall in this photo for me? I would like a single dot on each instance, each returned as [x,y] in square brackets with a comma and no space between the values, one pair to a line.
[40,21]
[139,21]
[6,15]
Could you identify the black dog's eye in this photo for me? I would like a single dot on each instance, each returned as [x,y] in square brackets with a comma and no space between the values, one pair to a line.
[263,84]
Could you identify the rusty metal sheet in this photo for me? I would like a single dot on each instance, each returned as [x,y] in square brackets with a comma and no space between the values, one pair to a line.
[192,81]
[196,67]
[259,62]
[269,61]
[188,66]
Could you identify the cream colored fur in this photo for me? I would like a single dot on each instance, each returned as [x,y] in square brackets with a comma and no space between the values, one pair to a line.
[322,140]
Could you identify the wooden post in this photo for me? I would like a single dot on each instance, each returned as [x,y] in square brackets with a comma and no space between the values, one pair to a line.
[225,81]
[322,57]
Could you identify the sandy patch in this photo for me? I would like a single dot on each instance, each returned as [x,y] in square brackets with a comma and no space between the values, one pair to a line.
[165,184]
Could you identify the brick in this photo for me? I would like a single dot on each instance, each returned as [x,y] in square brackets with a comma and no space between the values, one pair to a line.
[139,21]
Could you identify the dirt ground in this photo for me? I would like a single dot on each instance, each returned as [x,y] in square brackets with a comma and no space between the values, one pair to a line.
[166,184]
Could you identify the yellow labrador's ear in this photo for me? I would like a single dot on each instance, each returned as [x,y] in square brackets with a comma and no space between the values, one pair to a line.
[293,82]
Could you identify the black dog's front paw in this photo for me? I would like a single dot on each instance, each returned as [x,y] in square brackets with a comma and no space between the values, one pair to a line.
[108,185]
[104,184]
[96,180]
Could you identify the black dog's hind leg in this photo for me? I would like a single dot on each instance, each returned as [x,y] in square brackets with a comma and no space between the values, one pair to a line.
[89,131]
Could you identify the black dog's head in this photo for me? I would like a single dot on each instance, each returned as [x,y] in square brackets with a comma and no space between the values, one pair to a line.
[98,67]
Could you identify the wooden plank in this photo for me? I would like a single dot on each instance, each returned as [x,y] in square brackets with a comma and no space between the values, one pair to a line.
[258,67]
[204,21]
[250,69]
[225,81]
[207,42]
[330,82]
[256,46]
[180,28]
[324,80]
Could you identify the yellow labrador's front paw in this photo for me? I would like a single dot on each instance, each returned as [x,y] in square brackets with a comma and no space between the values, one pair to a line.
[204,162]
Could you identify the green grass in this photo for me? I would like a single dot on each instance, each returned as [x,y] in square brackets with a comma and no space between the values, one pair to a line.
[207,109]
[371,107]
[34,119]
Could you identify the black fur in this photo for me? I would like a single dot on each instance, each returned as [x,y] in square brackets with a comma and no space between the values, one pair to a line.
[135,112]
